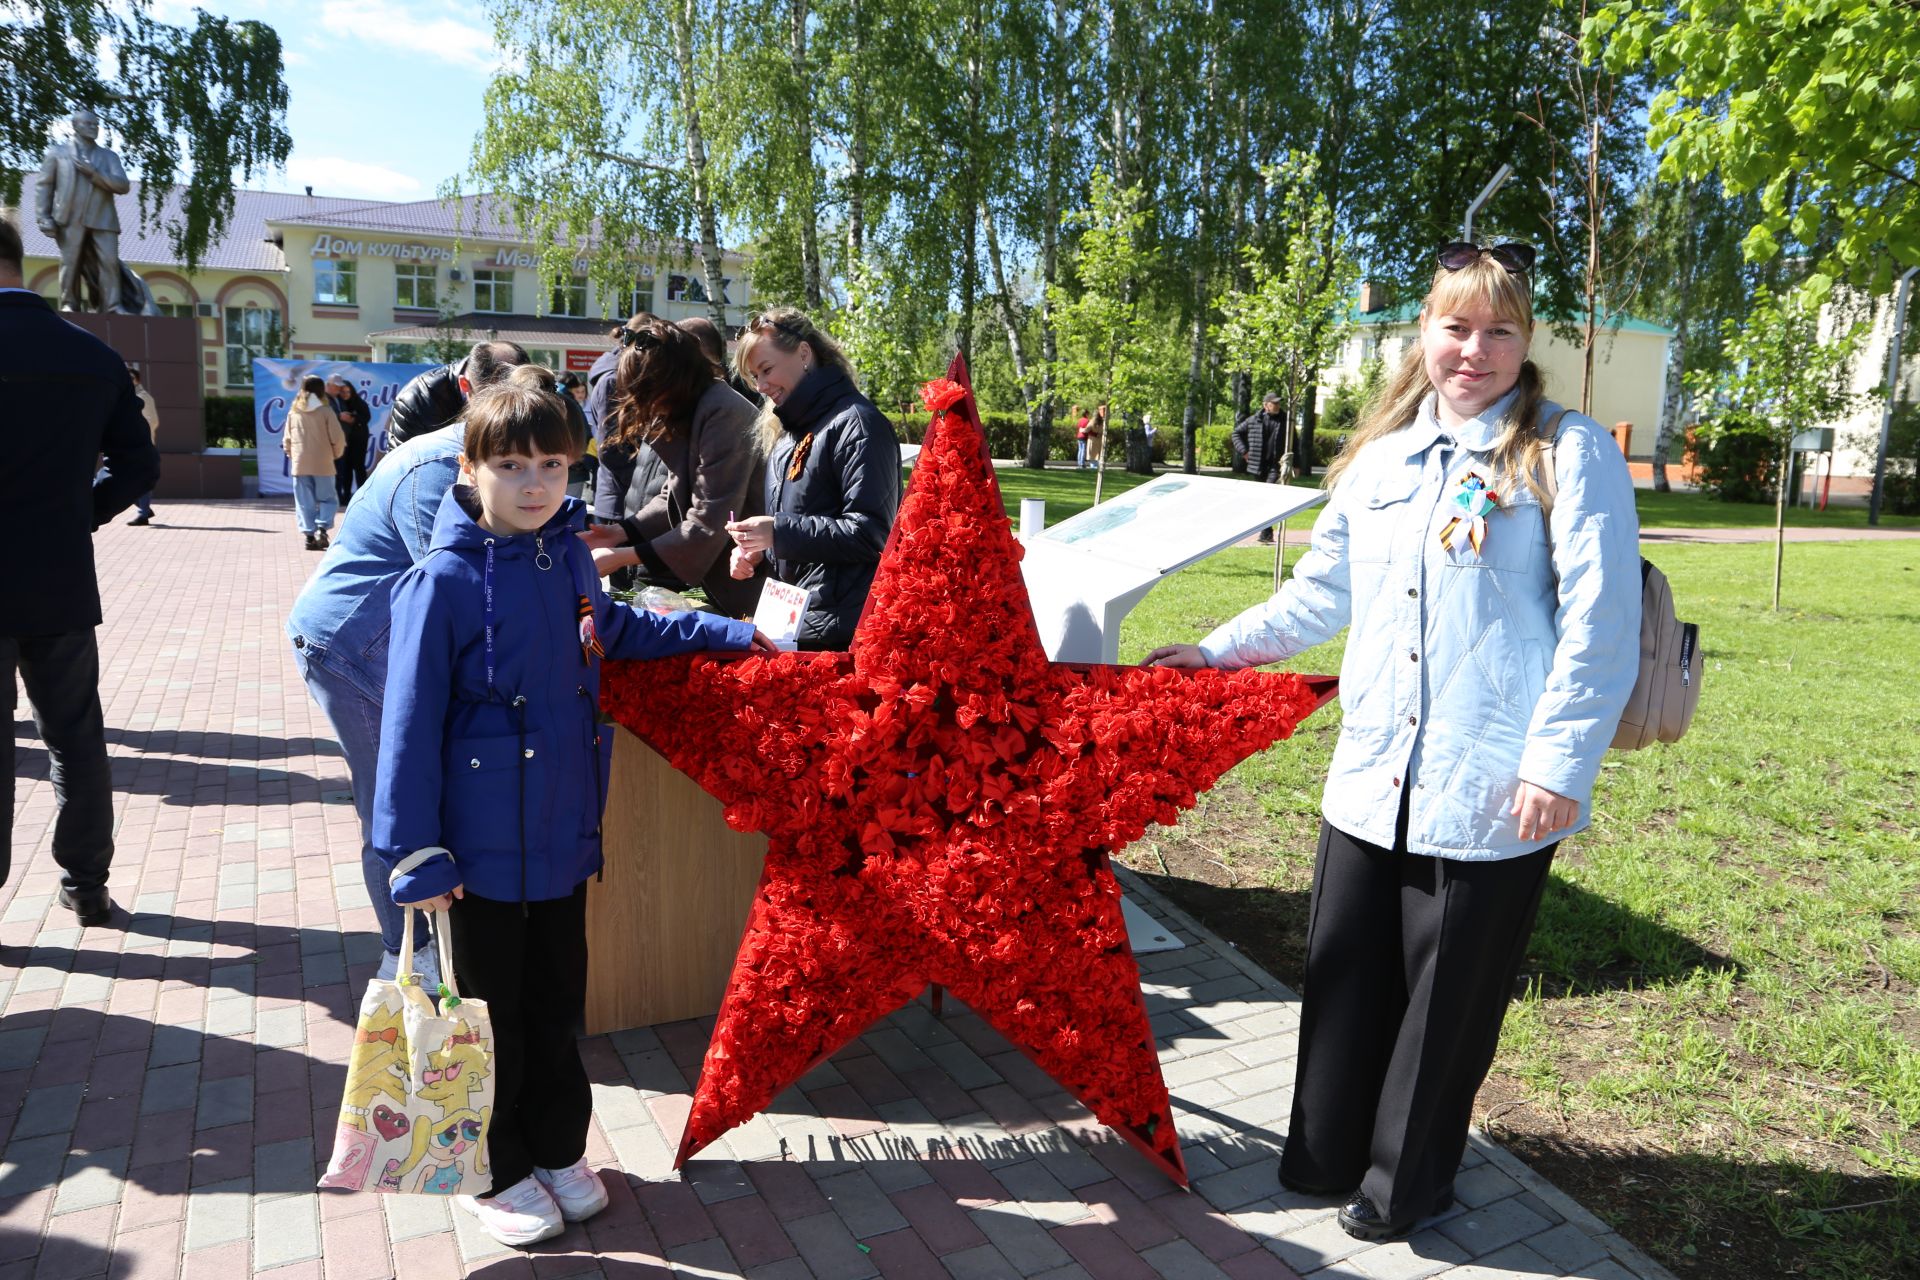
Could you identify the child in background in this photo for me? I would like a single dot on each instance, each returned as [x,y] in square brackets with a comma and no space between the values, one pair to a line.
[313,441]
[490,785]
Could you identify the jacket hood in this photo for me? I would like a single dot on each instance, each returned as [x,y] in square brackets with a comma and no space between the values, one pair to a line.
[457,526]
[818,394]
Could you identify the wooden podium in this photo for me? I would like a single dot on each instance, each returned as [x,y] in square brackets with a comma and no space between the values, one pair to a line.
[664,925]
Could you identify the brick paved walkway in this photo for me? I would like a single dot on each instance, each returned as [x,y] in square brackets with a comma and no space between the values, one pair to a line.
[167,1085]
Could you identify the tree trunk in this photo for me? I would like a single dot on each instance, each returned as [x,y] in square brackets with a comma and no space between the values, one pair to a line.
[1197,349]
[1003,301]
[857,150]
[809,193]
[1040,439]
[969,238]
[1309,420]
[1674,402]
[711,261]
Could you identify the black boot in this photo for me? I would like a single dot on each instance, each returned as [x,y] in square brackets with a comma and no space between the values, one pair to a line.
[89,906]
[325,541]
[313,542]
[1360,1218]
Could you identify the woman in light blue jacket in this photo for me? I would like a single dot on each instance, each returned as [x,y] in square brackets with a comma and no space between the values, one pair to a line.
[1482,545]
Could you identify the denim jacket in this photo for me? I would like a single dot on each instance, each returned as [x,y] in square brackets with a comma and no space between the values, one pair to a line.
[342,612]
[1465,672]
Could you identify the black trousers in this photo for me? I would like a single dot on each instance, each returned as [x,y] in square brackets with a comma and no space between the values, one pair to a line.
[62,675]
[349,472]
[1410,964]
[530,966]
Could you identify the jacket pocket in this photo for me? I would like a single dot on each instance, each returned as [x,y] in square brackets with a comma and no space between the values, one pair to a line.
[488,780]
[1516,537]
[1377,518]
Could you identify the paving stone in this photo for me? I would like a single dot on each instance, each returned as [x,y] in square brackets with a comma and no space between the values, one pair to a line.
[409,1217]
[286,1230]
[983,1262]
[1493,1227]
[1095,1247]
[1314,1246]
[1179,1260]
[1483,1185]
[31,1164]
[224,1102]
[862,1205]
[1422,1254]
[1242,1186]
[1567,1247]
[1515,1262]
[172,1088]
[219,1213]
[92,1179]
[1041,1194]
[1020,1240]
[703,1258]
[20,1048]
[828,1248]
[49,1110]
[285,1168]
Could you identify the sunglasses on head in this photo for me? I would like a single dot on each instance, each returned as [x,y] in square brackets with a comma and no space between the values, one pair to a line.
[638,338]
[1517,258]
[765,321]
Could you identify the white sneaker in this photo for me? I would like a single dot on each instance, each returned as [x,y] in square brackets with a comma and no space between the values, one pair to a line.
[577,1189]
[521,1215]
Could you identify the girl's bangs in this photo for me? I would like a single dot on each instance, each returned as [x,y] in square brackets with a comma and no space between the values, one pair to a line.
[1483,286]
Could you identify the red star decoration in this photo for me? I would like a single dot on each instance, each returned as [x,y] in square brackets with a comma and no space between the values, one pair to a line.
[940,805]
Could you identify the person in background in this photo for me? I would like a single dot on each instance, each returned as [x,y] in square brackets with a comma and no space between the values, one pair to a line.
[143,505]
[313,443]
[1258,440]
[350,472]
[1491,647]
[573,385]
[699,461]
[436,397]
[1079,421]
[833,476]
[52,498]
[715,346]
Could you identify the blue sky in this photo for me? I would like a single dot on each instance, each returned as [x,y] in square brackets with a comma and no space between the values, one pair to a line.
[384,95]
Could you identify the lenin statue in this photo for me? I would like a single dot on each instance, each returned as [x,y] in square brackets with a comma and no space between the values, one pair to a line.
[74,197]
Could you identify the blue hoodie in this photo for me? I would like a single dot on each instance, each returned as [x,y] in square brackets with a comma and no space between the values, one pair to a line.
[489,755]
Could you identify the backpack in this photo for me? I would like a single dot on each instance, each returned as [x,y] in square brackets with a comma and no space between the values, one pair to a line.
[1667,689]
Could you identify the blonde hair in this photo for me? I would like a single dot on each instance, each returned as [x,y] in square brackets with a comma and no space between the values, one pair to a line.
[1481,285]
[786,328]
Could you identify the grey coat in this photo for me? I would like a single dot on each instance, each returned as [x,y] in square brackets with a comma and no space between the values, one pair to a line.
[684,488]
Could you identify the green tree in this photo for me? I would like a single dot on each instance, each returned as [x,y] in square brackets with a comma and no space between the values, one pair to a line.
[1294,314]
[1782,378]
[212,90]
[1815,105]
[1109,349]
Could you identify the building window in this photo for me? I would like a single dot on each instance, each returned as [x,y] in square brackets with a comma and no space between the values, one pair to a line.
[570,297]
[336,283]
[179,310]
[416,284]
[404,353]
[641,299]
[539,355]
[250,330]
[492,290]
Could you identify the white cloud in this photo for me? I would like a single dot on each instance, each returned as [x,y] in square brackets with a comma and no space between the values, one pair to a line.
[429,28]
[338,176]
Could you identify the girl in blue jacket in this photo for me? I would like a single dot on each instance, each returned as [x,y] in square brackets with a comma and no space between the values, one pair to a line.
[1483,547]
[490,782]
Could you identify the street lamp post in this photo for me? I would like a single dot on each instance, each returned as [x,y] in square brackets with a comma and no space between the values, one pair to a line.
[1893,394]
[1486,193]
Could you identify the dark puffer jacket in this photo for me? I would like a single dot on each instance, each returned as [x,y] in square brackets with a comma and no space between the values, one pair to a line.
[427,403]
[831,521]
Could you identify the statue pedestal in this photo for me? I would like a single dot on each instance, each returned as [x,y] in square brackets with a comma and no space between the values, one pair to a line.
[166,351]
[664,925]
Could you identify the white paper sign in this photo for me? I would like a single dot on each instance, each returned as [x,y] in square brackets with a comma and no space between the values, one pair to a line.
[778,615]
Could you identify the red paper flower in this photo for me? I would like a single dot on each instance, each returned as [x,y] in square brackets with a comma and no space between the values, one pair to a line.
[939,806]
[942,394]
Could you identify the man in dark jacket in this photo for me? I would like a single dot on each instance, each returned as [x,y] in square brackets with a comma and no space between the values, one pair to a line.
[51,501]
[438,396]
[350,469]
[1258,442]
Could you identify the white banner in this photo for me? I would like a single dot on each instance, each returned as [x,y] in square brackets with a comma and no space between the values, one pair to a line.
[277,382]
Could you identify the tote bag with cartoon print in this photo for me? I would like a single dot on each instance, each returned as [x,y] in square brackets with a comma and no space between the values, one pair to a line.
[419,1088]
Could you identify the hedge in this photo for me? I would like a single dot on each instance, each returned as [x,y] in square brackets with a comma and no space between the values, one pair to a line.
[230,421]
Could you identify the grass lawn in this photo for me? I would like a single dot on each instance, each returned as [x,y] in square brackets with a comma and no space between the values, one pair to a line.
[1716,1042]
[1069,492]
